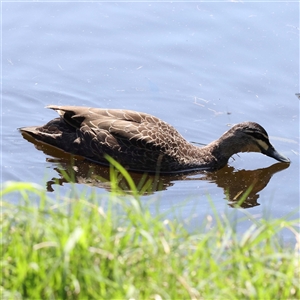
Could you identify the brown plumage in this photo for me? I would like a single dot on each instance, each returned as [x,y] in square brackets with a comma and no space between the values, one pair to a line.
[143,142]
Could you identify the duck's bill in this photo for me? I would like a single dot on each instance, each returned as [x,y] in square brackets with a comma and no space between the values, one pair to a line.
[273,153]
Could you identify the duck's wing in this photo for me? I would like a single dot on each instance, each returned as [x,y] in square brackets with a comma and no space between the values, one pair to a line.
[124,124]
[123,134]
[79,115]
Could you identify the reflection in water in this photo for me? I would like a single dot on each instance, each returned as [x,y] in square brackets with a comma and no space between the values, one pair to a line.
[235,183]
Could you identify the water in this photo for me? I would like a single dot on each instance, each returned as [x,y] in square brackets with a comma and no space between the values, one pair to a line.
[198,66]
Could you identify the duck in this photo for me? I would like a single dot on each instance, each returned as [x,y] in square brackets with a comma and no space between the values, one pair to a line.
[142,142]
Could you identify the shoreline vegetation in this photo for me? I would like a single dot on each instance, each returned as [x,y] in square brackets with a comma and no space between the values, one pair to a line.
[75,248]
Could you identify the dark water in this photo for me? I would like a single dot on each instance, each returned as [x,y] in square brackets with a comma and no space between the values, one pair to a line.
[198,66]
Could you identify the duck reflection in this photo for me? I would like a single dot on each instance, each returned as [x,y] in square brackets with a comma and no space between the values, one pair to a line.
[237,184]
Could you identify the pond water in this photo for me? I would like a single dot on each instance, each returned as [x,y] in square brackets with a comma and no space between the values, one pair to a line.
[199,66]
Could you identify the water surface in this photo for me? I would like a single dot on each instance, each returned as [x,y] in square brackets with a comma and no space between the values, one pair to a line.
[199,66]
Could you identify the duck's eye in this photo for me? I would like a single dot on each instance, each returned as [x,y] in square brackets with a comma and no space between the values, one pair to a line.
[260,136]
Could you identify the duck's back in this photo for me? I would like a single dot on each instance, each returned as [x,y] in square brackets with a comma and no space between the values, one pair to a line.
[138,141]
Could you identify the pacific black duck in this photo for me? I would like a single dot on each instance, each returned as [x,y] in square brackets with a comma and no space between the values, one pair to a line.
[143,142]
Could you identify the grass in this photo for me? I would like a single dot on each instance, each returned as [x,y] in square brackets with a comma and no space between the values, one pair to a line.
[76,248]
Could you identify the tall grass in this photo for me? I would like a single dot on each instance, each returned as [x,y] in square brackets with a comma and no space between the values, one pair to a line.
[74,248]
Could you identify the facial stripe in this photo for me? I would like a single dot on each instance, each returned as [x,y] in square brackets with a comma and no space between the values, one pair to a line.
[257,135]
[261,139]
[262,144]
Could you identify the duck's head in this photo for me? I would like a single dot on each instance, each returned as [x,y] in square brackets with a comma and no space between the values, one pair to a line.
[251,137]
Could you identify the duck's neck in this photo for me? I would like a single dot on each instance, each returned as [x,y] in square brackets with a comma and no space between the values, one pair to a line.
[216,154]
[225,147]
